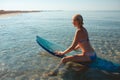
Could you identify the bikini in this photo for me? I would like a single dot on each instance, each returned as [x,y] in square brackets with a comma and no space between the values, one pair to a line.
[92,55]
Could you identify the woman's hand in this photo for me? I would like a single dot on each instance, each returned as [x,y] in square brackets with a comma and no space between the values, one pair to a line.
[59,53]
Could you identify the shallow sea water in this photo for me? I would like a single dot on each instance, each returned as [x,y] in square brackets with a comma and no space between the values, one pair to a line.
[22,59]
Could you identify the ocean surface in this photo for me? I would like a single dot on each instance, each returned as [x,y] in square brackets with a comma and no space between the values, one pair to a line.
[21,58]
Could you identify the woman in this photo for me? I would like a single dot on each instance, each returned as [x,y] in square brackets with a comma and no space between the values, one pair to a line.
[81,40]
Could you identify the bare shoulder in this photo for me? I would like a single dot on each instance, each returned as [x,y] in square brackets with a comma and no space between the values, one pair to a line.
[78,31]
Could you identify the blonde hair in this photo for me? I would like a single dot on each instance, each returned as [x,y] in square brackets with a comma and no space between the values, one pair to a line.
[79,18]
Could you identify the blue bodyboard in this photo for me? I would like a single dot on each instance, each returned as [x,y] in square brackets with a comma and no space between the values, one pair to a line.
[99,63]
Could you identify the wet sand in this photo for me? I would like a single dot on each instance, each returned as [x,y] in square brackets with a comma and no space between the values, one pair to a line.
[12,13]
[9,15]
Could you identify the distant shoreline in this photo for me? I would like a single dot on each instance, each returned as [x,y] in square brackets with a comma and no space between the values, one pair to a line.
[2,12]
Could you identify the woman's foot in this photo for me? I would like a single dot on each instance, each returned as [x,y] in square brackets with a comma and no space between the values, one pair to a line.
[76,66]
[51,73]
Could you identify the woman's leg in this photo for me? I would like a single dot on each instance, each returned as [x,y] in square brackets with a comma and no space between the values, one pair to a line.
[55,71]
[75,58]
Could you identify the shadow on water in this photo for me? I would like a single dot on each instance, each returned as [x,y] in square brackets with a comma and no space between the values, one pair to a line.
[89,75]
[71,71]
[84,73]
[75,71]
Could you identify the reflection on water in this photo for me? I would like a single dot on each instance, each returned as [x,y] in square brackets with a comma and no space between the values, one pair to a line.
[22,59]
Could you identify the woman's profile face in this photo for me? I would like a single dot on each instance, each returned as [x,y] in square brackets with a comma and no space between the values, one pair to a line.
[75,22]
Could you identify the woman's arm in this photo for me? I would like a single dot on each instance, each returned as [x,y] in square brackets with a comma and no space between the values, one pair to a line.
[74,43]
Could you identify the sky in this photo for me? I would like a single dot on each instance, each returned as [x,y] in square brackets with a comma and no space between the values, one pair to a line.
[59,4]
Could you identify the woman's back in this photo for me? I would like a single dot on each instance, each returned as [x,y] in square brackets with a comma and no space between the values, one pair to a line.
[84,42]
